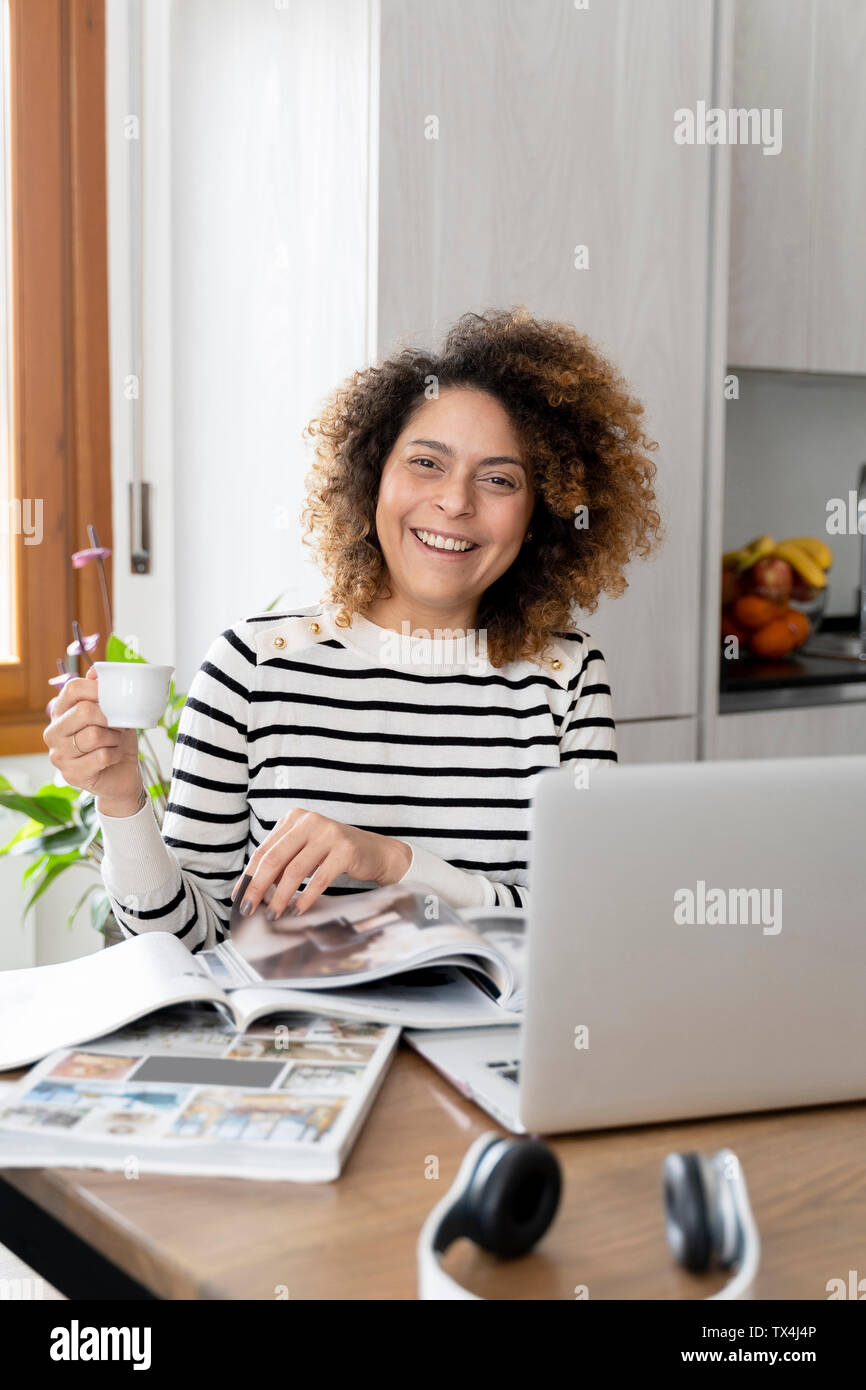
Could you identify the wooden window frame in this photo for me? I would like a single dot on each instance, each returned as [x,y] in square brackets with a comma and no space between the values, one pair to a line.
[59,345]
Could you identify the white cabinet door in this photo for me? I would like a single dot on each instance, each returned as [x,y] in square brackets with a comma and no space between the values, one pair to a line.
[812,731]
[797,296]
[837,283]
[771,194]
[555,129]
[657,741]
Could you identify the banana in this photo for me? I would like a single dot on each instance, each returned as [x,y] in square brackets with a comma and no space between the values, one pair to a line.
[820,553]
[802,562]
[754,551]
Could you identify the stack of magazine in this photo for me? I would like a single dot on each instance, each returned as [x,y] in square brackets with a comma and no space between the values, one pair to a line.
[183,1092]
[186,1078]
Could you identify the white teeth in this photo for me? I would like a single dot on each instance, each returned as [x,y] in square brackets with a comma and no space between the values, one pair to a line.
[441,543]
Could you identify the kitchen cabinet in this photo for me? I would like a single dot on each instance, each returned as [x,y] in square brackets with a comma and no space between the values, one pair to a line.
[816,730]
[657,741]
[552,127]
[837,280]
[797,294]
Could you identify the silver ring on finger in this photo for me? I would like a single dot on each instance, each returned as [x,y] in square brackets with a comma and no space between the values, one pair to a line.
[75,745]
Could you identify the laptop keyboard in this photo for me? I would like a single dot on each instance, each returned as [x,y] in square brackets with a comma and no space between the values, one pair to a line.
[509,1071]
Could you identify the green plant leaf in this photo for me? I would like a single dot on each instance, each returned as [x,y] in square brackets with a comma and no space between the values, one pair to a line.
[91,888]
[100,910]
[53,841]
[176,698]
[117,650]
[51,789]
[92,833]
[59,864]
[46,806]
[27,831]
[36,867]
[275,601]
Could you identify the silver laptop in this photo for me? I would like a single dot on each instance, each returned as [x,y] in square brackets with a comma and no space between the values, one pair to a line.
[696,947]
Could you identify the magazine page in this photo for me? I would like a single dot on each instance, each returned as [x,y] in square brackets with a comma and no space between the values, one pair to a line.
[504,929]
[183,1092]
[50,1006]
[363,936]
[436,997]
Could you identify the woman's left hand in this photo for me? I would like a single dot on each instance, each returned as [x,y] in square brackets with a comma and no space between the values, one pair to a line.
[305,843]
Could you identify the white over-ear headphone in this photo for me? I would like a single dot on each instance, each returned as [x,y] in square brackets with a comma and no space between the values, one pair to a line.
[507,1191]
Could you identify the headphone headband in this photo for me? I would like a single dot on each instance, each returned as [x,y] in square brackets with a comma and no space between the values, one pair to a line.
[506,1193]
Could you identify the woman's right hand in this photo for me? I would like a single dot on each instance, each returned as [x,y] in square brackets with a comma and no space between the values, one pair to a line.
[102,760]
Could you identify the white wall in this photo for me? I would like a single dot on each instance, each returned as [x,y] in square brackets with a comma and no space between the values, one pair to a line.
[255,136]
[269,178]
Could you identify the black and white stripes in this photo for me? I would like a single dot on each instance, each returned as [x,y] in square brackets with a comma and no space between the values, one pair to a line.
[294,710]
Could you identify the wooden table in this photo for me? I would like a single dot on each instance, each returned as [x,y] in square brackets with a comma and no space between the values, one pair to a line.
[231,1238]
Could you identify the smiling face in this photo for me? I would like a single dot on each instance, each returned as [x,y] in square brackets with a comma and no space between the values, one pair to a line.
[455,499]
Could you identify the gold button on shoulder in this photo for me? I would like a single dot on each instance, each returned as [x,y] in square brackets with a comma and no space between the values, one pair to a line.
[279,642]
[315,629]
[342,619]
[557,664]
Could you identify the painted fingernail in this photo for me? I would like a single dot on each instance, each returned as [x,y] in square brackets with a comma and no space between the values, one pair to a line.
[246,907]
[242,886]
[270,915]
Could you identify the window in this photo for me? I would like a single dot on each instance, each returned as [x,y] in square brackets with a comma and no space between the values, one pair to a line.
[54,385]
[7,480]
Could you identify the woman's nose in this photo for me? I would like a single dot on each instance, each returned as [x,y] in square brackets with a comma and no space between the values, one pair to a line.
[454,497]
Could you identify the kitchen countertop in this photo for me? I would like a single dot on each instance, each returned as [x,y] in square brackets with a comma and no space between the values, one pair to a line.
[799,679]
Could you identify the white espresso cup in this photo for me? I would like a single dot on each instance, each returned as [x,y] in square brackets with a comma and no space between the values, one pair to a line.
[132,694]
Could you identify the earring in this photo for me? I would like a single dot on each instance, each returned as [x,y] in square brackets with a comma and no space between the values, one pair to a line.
[528,536]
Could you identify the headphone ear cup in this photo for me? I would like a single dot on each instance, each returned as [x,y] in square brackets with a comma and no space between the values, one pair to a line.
[687,1211]
[515,1202]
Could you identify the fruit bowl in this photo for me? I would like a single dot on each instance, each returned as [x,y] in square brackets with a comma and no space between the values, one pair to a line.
[813,608]
[773,594]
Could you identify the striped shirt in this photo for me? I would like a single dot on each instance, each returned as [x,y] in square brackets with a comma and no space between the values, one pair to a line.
[419,738]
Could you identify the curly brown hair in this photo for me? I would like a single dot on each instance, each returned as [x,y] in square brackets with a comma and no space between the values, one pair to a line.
[580,428]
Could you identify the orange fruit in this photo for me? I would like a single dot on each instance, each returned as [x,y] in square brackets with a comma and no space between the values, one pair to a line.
[799,625]
[731,628]
[753,611]
[774,639]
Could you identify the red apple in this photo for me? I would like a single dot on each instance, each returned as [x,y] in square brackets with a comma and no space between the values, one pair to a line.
[772,578]
[802,592]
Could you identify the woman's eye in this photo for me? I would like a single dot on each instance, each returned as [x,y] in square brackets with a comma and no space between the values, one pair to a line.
[495,478]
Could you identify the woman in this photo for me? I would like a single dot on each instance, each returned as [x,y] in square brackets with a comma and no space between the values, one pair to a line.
[461,505]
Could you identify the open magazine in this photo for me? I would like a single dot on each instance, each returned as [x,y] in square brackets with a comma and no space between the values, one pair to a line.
[184,1092]
[375,957]
[403,953]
